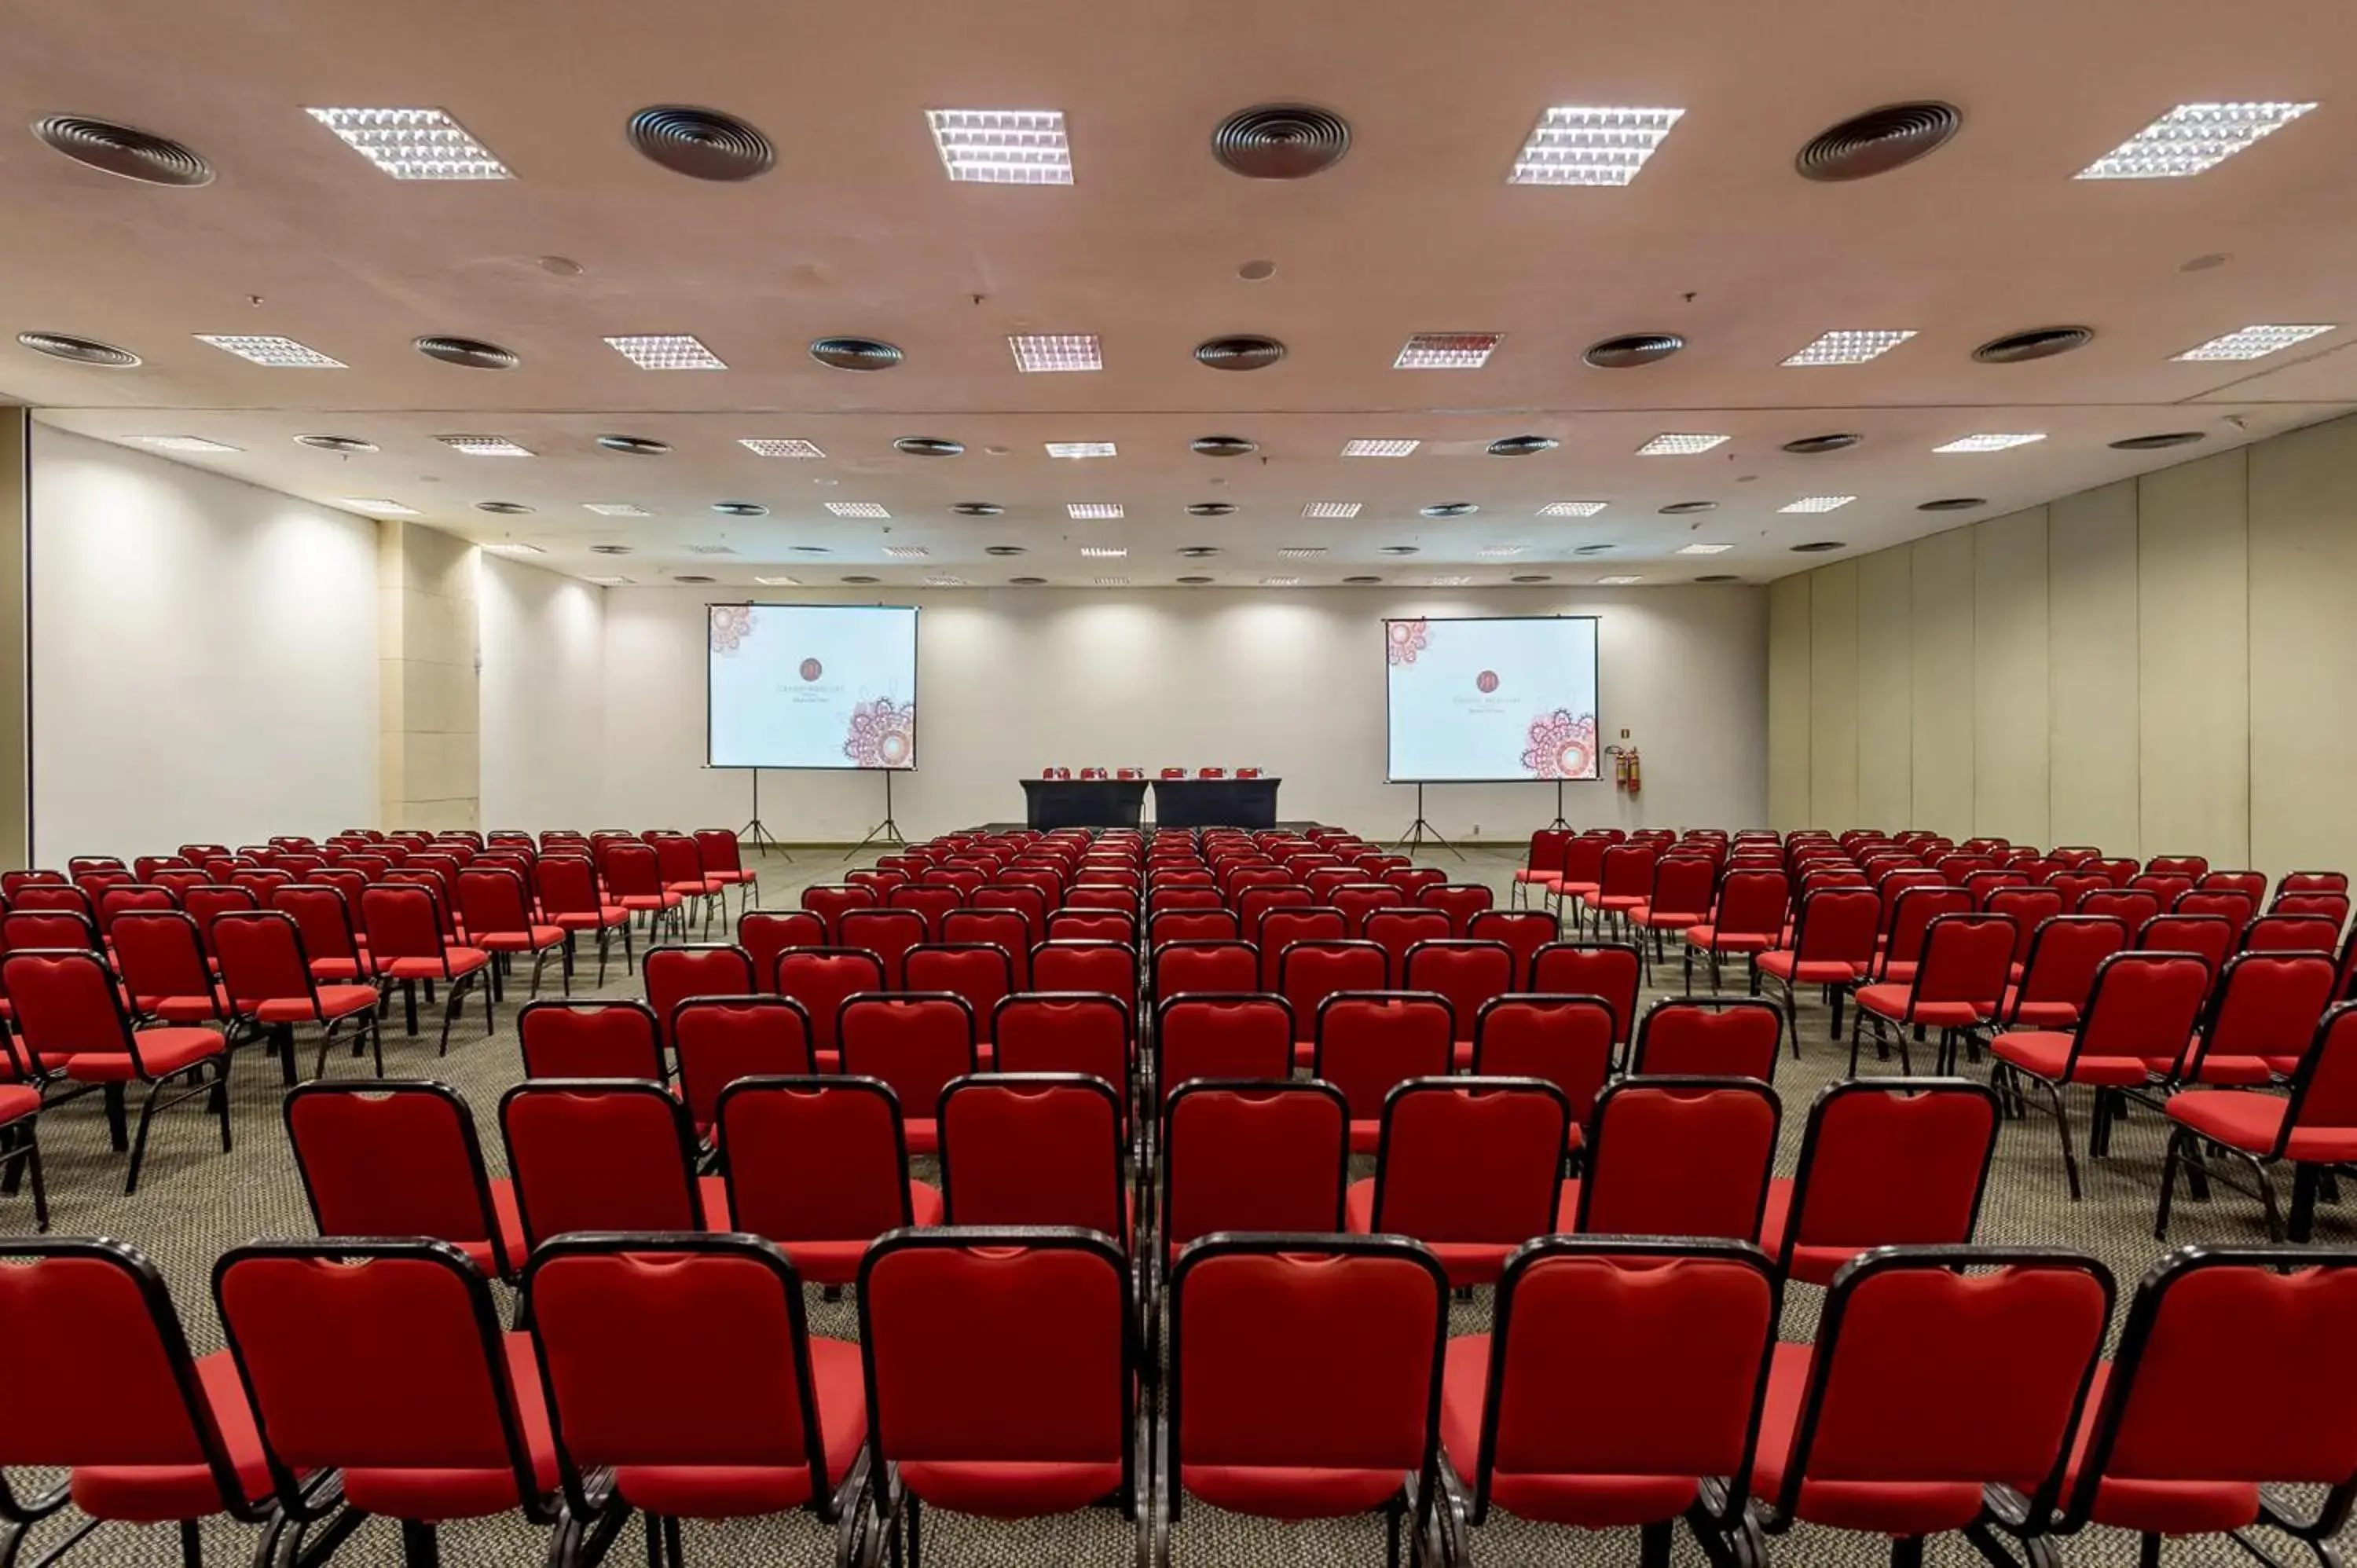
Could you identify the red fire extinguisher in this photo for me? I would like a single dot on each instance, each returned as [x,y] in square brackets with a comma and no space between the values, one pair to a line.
[1627,772]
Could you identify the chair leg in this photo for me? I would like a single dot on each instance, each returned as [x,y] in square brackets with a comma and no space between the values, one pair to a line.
[1653,1545]
[30,1157]
[2306,1180]
[2170,1162]
[139,1139]
[420,1546]
[539,961]
[118,1123]
[2267,1184]
[2062,1126]
[192,1545]
[219,1099]
[1907,1552]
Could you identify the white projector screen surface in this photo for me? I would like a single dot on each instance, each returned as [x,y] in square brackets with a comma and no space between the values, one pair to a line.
[811,686]
[1491,700]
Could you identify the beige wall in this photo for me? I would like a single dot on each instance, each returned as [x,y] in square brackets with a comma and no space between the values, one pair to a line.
[428,702]
[2159,666]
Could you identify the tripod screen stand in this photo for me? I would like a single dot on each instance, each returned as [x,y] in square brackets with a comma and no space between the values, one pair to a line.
[887,830]
[1421,833]
[756,833]
[1558,821]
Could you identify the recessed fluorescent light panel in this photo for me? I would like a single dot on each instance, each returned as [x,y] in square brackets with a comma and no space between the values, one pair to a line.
[857,509]
[1280,582]
[1082,450]
[1818,503]
[1500,552]
[381,507]
[1447,351]
[616,509]
[1618,582]
[666,351]
[1301,553]
[1989,442]
[607,581]
[1057,352]
[1670,445]
[1385,448]
[780,581]
[2252,342]
[1003,146]
[2190,138]
[1103,553]
[1572,508]
[484,446]
[1851,346]
[413,144]
[907,551]
[1574,144]
[1112,582]
[1446,582]
[1331,509]
[944,581]
[769,446]
[278,353]
[511,548]
[1705,549]
[184,444]
[1091,512]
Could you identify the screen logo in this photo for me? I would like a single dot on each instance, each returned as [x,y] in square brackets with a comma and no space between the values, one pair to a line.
[1487,680]
[812,670]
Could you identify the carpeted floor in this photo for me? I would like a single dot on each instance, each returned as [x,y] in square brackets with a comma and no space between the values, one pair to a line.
[195,1201]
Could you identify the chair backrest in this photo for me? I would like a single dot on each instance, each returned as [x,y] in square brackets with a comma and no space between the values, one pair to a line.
[1752,904]
[403,920]
[766,933]
[1609,969]
[1222,1034]
[979,973]
[64,1004]
[1180,925]
[567,885]
[2134,904]
[1206,964]
[261,958]
[1964,958]
[32,930]
[413,1386]
[1546,850]
[822,980]
[1067,964]
[2027,909]
[1679,1156]
[322,912]
[887,933]
[1522,931]
[1887,1162]
[2143,1004]
[1720,1037]
[492,899]
[1460,901]
[814,1159]
[2064,953]
[1837,925]
[2178,865]
[1308,972]
[1064,1031]
[1625,870]
[1563,1041]
[48,897]
[2290,933]
[1034,1149]
[1370,1042]
[1397,929]
[1252,1155]
[600,1153]
[1926,1374]
[986,1347]
[1689,1325]
[672,974]
[720,1039]
[1357,902]
[1006,929]
[830,901]
[1683,885]
[1471,1160]
[1304,1353]
[560,1037]
[2266,1005]
[158,954]
[916,1041]
[1279,928]
[1908,923]
[1468,973]
[394,1158]
[2207,935]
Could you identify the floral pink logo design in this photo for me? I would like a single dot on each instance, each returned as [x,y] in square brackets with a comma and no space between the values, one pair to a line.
[882,734]
[1408,638]
[1561,746]
[812,670]
[1487,680]
[731,624]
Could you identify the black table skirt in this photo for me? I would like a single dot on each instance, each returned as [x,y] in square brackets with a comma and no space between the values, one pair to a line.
[1215,803]
[1083,802]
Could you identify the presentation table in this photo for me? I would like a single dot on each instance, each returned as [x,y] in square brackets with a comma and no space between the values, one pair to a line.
[1083,802]
[1215,803]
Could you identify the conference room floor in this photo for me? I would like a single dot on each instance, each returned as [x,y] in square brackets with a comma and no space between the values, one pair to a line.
[194,1202]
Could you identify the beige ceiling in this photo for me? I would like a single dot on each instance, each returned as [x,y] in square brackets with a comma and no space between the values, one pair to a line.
[858,231]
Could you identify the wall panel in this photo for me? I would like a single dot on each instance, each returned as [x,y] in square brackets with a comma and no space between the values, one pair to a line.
[1832,697]
[2090,658]
[2193,659]
[1886,689]
[2303,554]
[1943,657]
[1788,701]
[2010,761]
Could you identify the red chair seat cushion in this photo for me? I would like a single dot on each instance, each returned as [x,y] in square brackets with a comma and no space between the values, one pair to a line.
[335,969]
[1286,1491]
[1883,1508]
[1891,1002]
[466,1494]
[1814,1264]
[151,1493]
[2161,1508]
[335,1002]
[1591,1502]
[533,940]
[1011,1490]
[17,1101]
[458,961]
[1669,919]
[1710,938]
[161,1051]
[837,1263]
[2240,1072]
[2252,1122]
[2045,1054]
[183,1009]
[732,1491]
[2038,1015]
[1788,965]
[510,1222]
[1366,1137]
[607,915]
[1466,1262]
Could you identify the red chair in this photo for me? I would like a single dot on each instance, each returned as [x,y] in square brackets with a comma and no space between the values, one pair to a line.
[2290,933]
[1116,926]
[1029,898]
[572,899]
[1884,1162]
[1468,974]
[1832,947]
[1107,969]
[425,1410]
[1728,1037]
[1563,1041]
[680,863]
[1610,971]
[889,934]
[2264,1009]
[1368,1043]
[766,933]
[720,1039]
[752,1414]
[1928,1386]
[1906,920]
[1358,902]
[1684,889]
[1957,986]
[1279,928]
[819,1166]
[1222,1034]
[589,1039]
[1749,920]
[675,973]
[69,1021]
[51,930]
[1305,1379]
[398,1158]
[497,915]
[1660,1347]
[1310,972]
[823,980]
[1002,1371]
[1624,880]
[408,944]
[2143,1004]
[1543,864]
[2206,936]
[1005,929]
[1460,901]
[1523,932]
[1412,880]
[932,900]
[830,902]
[1396,931]
[1184,925]
[2065,951]
[1246,1155]
[160,959]
[1035,1149]
[978,972]
[1678,1156]
[1065,1032]
[724,862]
[2171,1449]
[1470,1166]
[1212,964]
[914,1043]
[602,1153]
[267,974]
[2314,1129]
[632,872]
[2136,906]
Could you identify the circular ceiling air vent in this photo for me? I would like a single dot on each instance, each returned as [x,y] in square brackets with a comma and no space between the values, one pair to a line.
[1194,581]
[1211,509]
[609,550]
[1522,446]
[855,353]
[1244,351]
[1878,141]
[1810,446]
[693,577]
[503,508]
[1199,551]
[636,446]
[1818,547]
[81,350]
[1592,550]
[1027,582]
[1281,141]
[809,549]
[1636,349]
[2038,343]
[1952,503]
[1361,582]
[1719,577]
[472,353]
[1398,550]
[1002,550]
[1223,446]
[978,509]
[929,447]
[336,443]
[1531,577]
[124,150]
[2155,443]
[1688,508]
[1452,509]
[741,508]
[701,142]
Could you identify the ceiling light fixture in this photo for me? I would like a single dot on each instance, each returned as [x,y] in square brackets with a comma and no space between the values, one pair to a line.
[278,353]
[774,447]
[616,509]
[2251,342]
[1851,346]
[607,581]
[907,551]
[1447,351]
[413,144]
[1574,144]
[943,580]
[857,509]
[1103,553]
[1331,509]
[1111,582]
[1039,352]
[376,504]
[1002,147]
[81,350]
[336,443]
[1082,450]
[666,351]
[1572,508]
[780,581]
[1818,503]
[1091,512]
[2190,138]
[1280,582]
[1705,549]
[1618,581]
[1672,445]
[513,547]
[484,446]
[1446,582]
[1499,552]
[1301,551]
[1387,447]
[184,444]
[1988,442]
